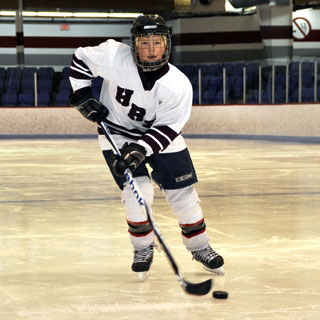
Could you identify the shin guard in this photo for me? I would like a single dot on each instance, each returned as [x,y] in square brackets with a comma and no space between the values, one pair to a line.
[186,205]
[140,230]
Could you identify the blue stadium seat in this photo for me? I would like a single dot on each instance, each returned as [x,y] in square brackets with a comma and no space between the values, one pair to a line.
[266,96]
[280,78]
[307,95]
[195,99]
[216,82]
[252,68]
[307,67]
[219,97]
[253,97]
[1,85]
[228,67]
[203,67]
[279,95]
[45,73]
[62,98]
[28,72]
[14,73]
[2,73]
[266,84]
[9,99]
[188,69]
[25,100]
[12,91]
[238,87]
[27,86]
[45,84]
[194,82]
[252,82]
[307,81]
[252,76]
[230,84]
[238,69]
[293,96]
[65,85]
[294,67]
[13,84]
[65,72]
[293,82]
[214,69]
[43,99]
[205,81]
[208,96]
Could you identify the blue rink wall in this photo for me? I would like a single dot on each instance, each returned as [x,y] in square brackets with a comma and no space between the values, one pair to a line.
[296,122]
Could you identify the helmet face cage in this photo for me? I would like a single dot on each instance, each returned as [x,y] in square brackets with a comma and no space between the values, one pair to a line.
[150,25]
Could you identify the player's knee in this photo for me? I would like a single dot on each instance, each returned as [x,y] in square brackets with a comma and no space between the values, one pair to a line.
[184,201]
[128,198]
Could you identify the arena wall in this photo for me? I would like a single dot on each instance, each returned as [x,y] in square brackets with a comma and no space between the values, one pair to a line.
[198,39]
[236,120]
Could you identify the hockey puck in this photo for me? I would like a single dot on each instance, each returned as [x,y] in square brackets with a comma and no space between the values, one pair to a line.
[220,294]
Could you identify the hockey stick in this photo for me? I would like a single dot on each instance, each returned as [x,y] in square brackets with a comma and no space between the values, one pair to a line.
[201,288]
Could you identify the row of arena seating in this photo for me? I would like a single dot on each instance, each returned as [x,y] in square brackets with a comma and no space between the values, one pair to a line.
[17,87]
[53,88]
[212,82]
[212,89]
[236,69]
[26,73]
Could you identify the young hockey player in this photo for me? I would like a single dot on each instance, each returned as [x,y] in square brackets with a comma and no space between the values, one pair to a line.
[145,101]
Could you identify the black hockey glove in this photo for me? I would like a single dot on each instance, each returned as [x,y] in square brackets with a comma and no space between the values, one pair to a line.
[131,157]
[87,105]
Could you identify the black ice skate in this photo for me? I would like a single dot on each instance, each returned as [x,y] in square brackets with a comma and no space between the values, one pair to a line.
[210,259]
[142,260]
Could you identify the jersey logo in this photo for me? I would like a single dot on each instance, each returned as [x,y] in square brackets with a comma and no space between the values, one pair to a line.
[123,96]
[136,113]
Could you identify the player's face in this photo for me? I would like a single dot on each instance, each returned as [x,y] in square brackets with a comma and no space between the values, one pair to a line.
[151,48]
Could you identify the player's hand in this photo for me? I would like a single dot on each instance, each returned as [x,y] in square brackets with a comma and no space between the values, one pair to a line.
[87,105]
[132,155]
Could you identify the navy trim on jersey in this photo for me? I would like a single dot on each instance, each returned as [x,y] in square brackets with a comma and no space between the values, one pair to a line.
[134,134]
[149,78]
[158,137]
[152,143]
[168,132]
[79,70]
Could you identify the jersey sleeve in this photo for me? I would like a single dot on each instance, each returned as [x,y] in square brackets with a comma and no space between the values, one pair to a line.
[172,115]
[87,63]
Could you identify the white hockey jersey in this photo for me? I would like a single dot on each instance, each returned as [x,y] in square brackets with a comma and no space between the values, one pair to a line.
[150,110]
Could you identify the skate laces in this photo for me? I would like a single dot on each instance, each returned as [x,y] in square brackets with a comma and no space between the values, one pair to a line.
[143,255]
[206,255]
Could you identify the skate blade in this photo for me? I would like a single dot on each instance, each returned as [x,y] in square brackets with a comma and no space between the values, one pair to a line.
[143,276]
[218,271]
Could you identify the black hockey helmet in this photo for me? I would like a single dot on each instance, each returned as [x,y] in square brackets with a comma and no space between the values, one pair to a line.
[145,25]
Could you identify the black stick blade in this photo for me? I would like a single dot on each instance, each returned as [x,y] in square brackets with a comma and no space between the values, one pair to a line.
[199,289]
